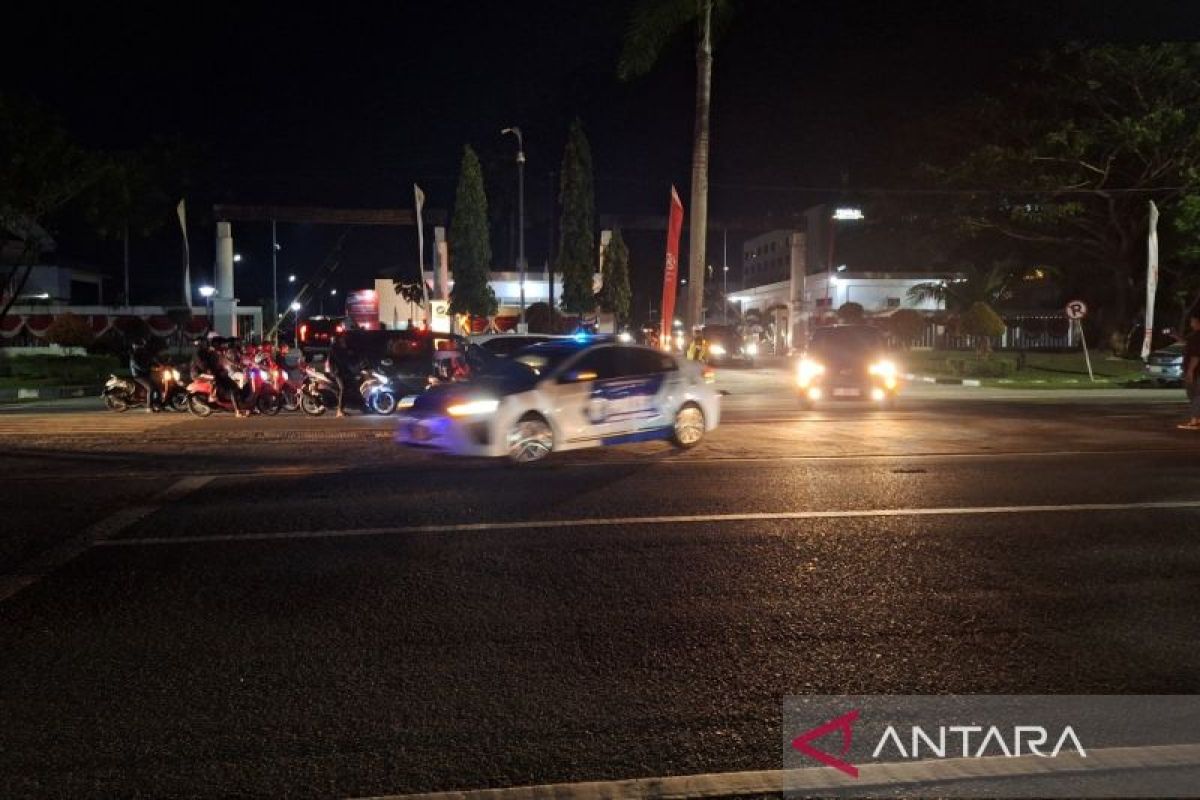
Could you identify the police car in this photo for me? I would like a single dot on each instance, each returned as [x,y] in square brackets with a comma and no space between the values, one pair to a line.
[565,395]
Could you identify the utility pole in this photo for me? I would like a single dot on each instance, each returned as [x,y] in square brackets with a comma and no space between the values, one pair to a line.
[520,217]
[275,277]
[550,255]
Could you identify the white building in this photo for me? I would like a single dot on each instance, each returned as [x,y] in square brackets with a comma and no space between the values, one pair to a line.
[790,298]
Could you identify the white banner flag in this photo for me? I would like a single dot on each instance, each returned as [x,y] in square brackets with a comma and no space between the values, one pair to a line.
[419,198]
[181,211]
[1151,280]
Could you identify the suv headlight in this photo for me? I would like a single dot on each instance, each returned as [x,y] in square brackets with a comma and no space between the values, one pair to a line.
[717,349]
[807,370]
[883,368]
[752,349]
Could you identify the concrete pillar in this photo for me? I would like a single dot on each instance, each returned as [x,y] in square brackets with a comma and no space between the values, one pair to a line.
[224,304]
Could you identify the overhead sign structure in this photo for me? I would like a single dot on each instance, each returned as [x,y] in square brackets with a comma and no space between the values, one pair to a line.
[1076,311]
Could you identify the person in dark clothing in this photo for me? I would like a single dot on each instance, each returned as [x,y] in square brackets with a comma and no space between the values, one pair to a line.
[208,361]
[338,367]
[141,367]
[1191,371]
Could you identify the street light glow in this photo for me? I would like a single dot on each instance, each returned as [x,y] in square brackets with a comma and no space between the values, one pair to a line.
[295,306]
[207,291]
[237,256]
[333,291]
[291,278]
[848,213]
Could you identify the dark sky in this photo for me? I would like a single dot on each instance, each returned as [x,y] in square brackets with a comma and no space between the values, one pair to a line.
[350,104]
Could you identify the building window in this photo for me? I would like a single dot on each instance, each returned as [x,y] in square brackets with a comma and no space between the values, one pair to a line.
[893,302]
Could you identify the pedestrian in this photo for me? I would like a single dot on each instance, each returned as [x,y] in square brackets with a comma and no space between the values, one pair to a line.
[1191,370]
[141,366]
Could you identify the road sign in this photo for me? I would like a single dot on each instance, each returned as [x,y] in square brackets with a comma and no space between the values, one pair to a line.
[1076,309]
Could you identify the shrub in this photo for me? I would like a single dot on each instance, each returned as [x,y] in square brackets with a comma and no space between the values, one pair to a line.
[984,324]
[851,313]
[906,325]
[70,330]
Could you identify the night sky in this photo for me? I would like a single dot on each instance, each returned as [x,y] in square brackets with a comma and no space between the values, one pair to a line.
[349,105]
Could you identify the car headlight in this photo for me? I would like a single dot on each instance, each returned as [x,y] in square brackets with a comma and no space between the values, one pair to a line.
[473,408]
[807,370]
[752,349]
[625,337]
[717,349]
[883,368]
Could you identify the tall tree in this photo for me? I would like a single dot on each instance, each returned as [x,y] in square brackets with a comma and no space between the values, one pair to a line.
[614,293]
[992,286]
[41,170]
[653,24]
[1066,162]
[577,250]
[470,249]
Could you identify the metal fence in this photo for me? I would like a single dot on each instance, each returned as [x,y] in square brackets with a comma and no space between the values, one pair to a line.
[1022,332]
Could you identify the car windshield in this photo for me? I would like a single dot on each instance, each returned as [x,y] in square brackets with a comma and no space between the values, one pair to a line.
[847,340]
[544,358]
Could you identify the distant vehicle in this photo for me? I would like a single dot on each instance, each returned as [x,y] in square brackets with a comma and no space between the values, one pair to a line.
[727,344]
[564,395]
[847,361]
[1165,365]
[318,333]
[505,344]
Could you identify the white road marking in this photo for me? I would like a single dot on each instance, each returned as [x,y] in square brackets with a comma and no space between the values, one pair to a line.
[681,519]
[98,533]
[817,779]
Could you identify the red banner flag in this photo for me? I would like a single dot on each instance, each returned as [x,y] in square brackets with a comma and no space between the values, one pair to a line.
[671,273]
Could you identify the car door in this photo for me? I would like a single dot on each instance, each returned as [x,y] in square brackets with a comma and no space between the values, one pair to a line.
[651,379]
[580,391]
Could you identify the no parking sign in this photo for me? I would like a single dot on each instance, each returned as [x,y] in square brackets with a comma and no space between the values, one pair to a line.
[1076,309]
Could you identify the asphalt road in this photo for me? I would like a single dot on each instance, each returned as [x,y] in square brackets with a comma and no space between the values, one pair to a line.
[308,611]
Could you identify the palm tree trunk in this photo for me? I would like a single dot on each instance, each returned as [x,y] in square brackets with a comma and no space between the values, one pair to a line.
[698,230]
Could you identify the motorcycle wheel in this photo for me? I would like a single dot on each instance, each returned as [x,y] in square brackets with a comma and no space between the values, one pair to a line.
[269,404]
[311,405]
[384,403]
[198,406]
[290,398]
[178,402]
[116,402]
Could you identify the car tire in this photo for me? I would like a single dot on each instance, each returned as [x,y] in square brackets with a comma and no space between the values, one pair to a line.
[530,439]
[687,431]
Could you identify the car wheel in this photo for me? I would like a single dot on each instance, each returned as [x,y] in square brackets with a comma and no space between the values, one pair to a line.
[530,439]
[689,426]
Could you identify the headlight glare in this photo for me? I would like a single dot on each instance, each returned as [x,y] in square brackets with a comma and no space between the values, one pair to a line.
[883,368]
[473,407]
[717,349]
[807,370]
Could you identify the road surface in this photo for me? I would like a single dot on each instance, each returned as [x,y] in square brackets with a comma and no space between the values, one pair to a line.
[296,607]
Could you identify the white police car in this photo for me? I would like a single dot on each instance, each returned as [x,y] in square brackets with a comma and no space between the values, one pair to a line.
[564,395]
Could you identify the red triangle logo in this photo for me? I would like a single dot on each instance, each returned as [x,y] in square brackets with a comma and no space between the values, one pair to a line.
[844,724]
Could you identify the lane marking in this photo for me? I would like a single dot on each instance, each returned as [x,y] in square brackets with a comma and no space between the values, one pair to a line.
[97,533]
[682,519]
[815,779]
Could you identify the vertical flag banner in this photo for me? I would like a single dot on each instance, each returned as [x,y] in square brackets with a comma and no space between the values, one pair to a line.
[1151,280]
[419,199]
[441,275]
[181,212]
[671,272]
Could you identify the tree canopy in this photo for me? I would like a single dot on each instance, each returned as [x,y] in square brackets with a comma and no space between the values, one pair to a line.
[470,249]
[614,296]
[577,253]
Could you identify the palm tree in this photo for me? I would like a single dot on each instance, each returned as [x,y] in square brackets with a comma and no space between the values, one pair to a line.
[653,24]
[972,285]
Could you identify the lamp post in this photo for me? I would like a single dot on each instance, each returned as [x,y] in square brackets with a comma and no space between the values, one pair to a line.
[207,293]
[515,131]
[296,323]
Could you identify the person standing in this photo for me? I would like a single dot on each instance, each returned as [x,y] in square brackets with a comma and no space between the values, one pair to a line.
[1191,371]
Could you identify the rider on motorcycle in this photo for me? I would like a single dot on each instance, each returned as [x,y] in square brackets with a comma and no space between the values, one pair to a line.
[141,367]
[209,361]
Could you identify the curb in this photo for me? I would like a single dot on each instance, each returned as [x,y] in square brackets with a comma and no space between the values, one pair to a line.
[48,393]
[972,382]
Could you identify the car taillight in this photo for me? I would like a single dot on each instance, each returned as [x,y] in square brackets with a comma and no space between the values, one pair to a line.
[340,329]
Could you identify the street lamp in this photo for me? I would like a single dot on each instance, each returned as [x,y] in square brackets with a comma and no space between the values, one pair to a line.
[237,257]
[296,306]
[515,131]
[291,278]
[207,293]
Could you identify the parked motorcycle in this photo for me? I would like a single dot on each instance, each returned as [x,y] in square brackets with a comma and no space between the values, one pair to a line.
[377,392]
[203,398]
[121,393]
[317,393]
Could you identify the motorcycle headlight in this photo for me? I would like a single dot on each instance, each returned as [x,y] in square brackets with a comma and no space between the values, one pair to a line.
[407,402]
[808,369]
[472,408]
[717,349]
[883,368]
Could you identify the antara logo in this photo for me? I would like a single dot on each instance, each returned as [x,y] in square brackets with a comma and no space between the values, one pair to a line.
[946,741]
